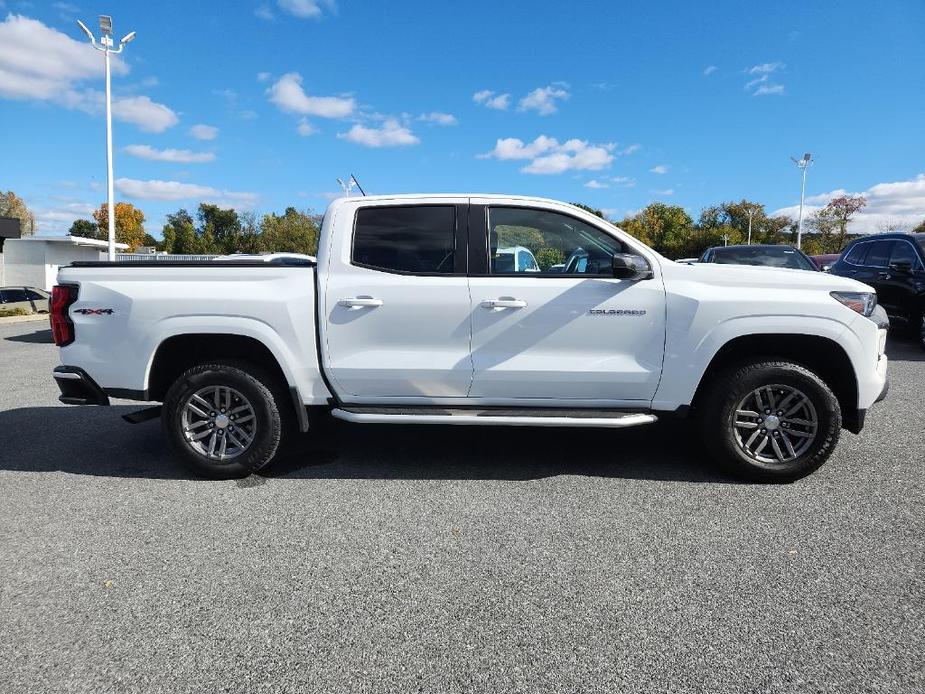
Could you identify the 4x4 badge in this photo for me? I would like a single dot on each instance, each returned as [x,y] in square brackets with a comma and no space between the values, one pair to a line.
[94,311]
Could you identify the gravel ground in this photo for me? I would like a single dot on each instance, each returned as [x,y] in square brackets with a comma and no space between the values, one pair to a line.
[394,559]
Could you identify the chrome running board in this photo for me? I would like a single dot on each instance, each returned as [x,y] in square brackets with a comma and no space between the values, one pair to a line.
[497,417]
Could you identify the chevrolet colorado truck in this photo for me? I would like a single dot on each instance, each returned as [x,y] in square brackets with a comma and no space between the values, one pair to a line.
[410,315]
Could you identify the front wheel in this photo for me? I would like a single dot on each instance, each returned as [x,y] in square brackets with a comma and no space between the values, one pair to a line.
[223,420]
[770,421]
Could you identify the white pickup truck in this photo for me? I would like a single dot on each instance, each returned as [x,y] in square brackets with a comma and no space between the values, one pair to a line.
[406,317]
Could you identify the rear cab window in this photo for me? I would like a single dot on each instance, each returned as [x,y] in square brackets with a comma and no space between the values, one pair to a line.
[406,239]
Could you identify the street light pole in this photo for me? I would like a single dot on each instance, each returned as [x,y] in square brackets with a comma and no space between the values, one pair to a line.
[106,46]
[750,215]
[802,164]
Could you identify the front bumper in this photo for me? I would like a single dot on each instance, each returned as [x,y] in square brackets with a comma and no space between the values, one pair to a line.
[77,388]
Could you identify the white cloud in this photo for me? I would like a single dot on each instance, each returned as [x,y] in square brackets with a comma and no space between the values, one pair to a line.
[391,134]
[632,148]
[305,9]
[624,181]
[666,192]
[709,70]
[41,63]
[761,85]
[148,115]
[543,100]
[765,68]
[766,89]
[438,118]
[596,185]
[174,190]
[60,218]
[288,95]
[264,12]
[305,128]
[204,132]
[549,156]
[660,169]
[175,156]
[897,204]
[263,76]
[489,99]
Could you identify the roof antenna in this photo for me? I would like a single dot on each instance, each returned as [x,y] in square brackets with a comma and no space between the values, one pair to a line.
[348,186]
[354,180]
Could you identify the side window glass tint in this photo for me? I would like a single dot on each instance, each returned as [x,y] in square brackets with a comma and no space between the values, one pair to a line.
[407,239]
[879,254]
[856,254]
[523,240]
[904,252]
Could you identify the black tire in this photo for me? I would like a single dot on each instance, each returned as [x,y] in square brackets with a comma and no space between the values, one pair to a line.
[252,386]
[729,445]
[920,328]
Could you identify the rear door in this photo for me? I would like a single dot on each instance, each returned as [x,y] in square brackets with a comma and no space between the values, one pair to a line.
[557,336]
[396,302]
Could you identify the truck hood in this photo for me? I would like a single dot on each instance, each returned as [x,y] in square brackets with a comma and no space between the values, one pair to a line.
[760,276]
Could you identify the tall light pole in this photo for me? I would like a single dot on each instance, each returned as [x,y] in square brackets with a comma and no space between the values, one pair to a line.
[751,213]
[106,46]
[802,164]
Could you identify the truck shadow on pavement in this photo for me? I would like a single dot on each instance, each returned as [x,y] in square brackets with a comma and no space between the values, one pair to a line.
[96,441]
[38,337]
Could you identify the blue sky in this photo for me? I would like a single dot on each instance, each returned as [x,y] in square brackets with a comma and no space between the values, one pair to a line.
[613,104]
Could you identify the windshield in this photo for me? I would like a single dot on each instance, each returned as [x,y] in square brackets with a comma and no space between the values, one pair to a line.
[775,256]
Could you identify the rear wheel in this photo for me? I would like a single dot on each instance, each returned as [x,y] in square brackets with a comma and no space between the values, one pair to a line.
[770,421]
[223,419]
[920,328]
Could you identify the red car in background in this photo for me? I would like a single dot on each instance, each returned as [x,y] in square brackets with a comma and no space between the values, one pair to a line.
[825,261]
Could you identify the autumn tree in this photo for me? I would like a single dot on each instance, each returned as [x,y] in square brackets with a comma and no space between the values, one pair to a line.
[831,222]
[11,205]
[732,220]
[666,228]
[130,221]
[920,229]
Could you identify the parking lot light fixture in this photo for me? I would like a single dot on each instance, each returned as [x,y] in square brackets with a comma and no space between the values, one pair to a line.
[105,45]
[802,164]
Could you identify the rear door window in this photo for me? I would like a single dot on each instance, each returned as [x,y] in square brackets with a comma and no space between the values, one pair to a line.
[856,254]
[12,296]
[417,239]
[904,252]
[879,254]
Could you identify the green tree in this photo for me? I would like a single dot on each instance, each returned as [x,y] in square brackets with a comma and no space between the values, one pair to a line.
[735,216]
[547,257]
[222,225]
[149,240]
[84,228]
[588,208]
[184,239]
[920,229]
[11,205]
[291,232]
[129,224]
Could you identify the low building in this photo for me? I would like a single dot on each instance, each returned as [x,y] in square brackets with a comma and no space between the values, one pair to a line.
[33,261]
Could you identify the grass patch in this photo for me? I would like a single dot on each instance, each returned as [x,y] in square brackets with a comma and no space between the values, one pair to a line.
[6,312]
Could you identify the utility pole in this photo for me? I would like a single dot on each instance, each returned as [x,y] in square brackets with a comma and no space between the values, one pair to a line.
[802,164]
[106,46]
[751,213]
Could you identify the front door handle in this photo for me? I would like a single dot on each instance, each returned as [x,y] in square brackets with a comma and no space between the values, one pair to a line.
[360,302]
[883,275]
[504,303]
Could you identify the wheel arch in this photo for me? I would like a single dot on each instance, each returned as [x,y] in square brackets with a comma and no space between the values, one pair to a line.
[821,355]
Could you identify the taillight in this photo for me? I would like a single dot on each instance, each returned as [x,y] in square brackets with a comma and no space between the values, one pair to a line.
[62,327]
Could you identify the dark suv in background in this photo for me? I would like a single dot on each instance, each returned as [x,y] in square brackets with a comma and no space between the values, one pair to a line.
[894,265]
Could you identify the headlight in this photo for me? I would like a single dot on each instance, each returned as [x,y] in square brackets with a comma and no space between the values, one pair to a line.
[862,302]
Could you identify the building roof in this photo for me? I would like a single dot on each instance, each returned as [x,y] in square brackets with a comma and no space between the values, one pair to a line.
[73,240]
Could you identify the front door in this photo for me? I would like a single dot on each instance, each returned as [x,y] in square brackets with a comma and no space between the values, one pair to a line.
[567,330]
[396,305]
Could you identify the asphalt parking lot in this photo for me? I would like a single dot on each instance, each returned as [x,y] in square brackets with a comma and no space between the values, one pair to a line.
[395,559]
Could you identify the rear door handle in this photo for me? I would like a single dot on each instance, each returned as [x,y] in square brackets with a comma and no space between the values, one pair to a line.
[360,302]
[504,303]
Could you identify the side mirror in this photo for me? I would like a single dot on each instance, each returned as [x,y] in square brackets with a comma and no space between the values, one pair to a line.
[628,266]
[901,266]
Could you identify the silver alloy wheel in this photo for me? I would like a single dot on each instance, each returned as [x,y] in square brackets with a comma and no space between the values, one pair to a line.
[218,422]
[775,424]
